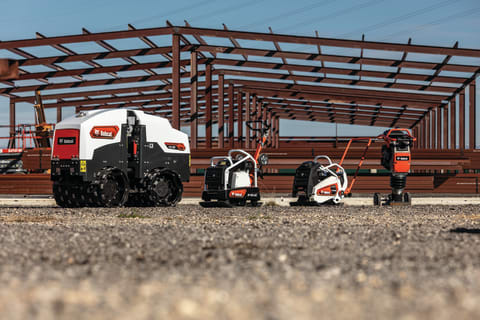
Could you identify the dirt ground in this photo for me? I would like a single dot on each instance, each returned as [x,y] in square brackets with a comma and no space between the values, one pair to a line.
[245,263]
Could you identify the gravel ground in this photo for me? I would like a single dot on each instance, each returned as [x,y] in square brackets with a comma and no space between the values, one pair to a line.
[243,263]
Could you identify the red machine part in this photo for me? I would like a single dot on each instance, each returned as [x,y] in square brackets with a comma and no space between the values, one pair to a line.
[66,145]
[240,193]
[104,132]
[401,162]
[327,191]
[175,146]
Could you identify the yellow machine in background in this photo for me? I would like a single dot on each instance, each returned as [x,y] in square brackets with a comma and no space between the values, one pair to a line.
[43,130]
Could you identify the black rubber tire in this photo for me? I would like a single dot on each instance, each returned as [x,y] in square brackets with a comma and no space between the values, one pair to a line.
[164,188]
[70,196]
[58,194]
[138,200]
[111,188]
[407,198]
[255,203]
[377,201]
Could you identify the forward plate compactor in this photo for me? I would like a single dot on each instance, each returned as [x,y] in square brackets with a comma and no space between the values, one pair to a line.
[317,183]
[111,158]
[232,180]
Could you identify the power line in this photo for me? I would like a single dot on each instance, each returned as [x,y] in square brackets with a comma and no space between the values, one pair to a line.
[288,14]
[333,14]
[158,16]
[449,18]
[398,19]
[231,8]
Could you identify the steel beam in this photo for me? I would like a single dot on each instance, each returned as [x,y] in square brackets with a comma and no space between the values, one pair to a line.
[90,83]
[336,98]
[270,130]
[96,56]
[12,143]
[329,42]
[351,72]
[334,80]
[353,60]
[240,119]
[439,128]
[445,128]
[472,116]
[461,119]
[453,123]
[176,81]
[247,118]
[254,116]
[231,119]
[429,130]
[367,93]
[402,111]
[59,114]
[108,69]
[277,138]
[208,106]
[193,99]
[86,37]
[221,111]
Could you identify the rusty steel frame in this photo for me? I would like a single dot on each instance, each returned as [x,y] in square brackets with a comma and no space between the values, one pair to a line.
[231,84]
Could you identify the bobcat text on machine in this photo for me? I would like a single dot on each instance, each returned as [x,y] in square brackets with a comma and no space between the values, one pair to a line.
[396,157]
[111,158]
[232,180]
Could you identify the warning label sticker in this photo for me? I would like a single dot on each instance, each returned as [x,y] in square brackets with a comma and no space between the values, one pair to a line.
[83,166]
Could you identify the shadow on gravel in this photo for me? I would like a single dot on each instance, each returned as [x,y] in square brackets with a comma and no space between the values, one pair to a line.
[465,230]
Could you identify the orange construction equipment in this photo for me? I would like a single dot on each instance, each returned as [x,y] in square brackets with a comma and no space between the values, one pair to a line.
[43,129]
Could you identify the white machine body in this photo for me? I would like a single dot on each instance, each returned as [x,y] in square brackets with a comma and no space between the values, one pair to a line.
[333,186]
[158,130]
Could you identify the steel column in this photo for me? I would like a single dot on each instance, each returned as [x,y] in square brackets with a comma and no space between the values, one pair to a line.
[270,133]
[445,127]
[193,99]
[461,119]
[434,128]
[208,106]
[254,118]
[428,131]
[247,118]
[59,114]
[439,128]
[415,134]
[424,133]
[240,118]
[231,107]
[221,111]
[453,124]
[277,136]
[12,143]
[472,116]
[176,81]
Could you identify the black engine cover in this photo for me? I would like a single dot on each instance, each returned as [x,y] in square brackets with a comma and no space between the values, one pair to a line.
[215,178]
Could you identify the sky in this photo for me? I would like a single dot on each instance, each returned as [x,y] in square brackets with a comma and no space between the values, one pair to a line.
[429,22]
